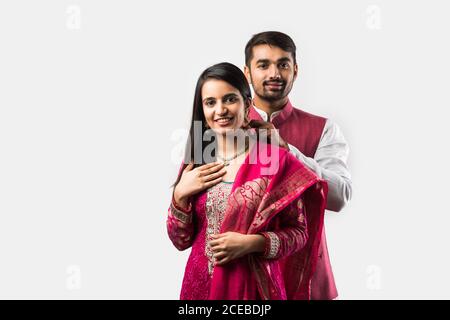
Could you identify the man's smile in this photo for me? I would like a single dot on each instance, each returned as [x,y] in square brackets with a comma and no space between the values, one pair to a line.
[274,85]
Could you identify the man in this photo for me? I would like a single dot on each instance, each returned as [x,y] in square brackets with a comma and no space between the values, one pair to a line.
[271,68]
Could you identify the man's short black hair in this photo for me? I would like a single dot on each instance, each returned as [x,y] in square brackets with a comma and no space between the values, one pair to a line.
[271,38]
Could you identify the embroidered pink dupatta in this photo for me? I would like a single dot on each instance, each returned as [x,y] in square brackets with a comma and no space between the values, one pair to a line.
[256,198]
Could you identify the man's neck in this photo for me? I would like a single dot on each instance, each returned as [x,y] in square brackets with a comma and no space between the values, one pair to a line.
[269,107]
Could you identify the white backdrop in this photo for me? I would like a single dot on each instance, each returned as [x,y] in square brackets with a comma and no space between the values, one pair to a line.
[94,95]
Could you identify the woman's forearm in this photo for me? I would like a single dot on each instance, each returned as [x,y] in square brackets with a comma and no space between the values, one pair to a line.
[180,200]
[256,243]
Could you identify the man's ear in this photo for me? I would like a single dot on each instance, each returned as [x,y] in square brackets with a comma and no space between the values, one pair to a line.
[247,74]
[295,71]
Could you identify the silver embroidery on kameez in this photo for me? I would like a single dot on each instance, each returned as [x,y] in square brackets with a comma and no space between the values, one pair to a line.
[216,204]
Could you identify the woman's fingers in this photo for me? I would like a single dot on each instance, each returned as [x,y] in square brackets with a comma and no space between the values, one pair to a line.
[211,183]
[217,249]
[189,167]
[216,175]
[208,166]
[215,243]
[220,255]
[224,260]
[209,170]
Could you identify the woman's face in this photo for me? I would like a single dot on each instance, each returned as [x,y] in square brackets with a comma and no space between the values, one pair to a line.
[223,106]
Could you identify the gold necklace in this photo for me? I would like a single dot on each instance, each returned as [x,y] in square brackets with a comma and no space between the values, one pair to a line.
[226,160]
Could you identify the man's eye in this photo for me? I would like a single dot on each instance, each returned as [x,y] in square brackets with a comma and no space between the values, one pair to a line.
[262,66]
[284,65]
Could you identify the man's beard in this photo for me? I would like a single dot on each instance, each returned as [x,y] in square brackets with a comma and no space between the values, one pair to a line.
[272,96]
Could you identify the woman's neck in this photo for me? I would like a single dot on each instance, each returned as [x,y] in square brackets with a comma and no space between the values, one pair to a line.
[229,145]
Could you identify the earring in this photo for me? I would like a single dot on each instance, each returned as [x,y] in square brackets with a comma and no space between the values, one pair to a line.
[246,119]
[246,123]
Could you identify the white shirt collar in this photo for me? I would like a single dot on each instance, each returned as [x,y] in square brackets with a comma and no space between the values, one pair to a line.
[264,115]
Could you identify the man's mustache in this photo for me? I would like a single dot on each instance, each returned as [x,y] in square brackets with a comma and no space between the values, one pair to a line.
[279,82]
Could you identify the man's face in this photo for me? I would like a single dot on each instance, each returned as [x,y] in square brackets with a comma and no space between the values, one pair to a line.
[272,72]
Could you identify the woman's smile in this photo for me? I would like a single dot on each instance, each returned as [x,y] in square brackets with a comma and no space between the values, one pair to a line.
[224,121]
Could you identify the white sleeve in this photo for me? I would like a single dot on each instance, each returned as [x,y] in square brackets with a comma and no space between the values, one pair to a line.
[330,164]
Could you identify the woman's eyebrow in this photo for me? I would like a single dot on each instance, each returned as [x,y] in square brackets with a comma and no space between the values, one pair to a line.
[228,95]
[209,98]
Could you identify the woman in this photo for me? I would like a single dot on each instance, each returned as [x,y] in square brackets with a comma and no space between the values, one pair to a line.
[254,225]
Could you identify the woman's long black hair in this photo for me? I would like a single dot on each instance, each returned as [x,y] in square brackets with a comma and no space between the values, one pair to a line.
[222,71]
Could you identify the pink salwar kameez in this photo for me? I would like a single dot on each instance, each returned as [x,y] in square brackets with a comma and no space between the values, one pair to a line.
[286,205]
